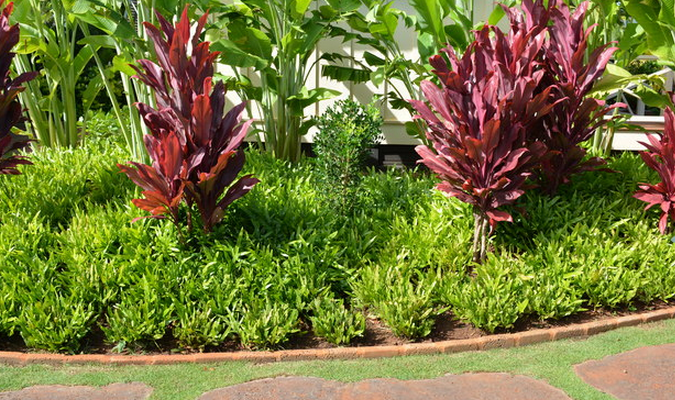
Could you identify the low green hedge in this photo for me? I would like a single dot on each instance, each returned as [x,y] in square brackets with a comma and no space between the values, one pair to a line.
[282,260]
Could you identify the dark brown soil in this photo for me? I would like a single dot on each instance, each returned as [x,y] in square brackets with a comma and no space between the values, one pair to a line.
[447,327]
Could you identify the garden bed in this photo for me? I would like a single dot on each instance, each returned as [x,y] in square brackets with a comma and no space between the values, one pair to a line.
[79,276]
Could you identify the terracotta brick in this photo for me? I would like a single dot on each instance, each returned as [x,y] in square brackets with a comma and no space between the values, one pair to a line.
[87,359]
[593,328]
[655,316]
[378,351]
[12,358]
[458,346]
[216,357]
[173,359]
[568,332]
[629,320]
[48,359]
[496,342]
[532,337]
[343,353]
[419,349]
[301,355]
[257,357]
[130,360]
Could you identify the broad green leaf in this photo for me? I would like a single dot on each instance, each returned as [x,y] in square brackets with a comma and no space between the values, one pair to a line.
[121,64]
[250,40]
[426,45]
[496,15]
[305,98]
[345,74]
[344,6]
[234,56]
[430,18]
[98,41]
[373,60]
[378,76]
[93,88]
[300,7]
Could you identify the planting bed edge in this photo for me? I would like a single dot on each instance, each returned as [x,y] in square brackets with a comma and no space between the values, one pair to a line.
[449,346]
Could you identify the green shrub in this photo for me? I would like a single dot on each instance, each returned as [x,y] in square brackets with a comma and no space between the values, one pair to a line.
[264,324]
[141,317]
[346,132]
[494,298]
[401,297]
[53,320]
[334,322]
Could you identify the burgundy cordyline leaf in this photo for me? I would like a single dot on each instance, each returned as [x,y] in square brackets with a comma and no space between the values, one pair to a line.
[574,117]
[479,117]
[193,144]
[11,112]
[660,156]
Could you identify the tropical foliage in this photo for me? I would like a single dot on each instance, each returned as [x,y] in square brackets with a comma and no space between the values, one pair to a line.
[10,109]
[660,156]
[193,144]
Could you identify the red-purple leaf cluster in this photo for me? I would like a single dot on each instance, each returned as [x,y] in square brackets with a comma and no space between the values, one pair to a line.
[11,112]
[660,156]
[479,118]
[575,118]
[193,144]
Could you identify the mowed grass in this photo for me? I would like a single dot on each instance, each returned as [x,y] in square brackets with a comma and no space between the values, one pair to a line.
[551,362]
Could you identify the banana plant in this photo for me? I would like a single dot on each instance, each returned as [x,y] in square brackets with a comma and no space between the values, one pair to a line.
[121,25]
[657,19]
[49,45]
[277,40]
[437,24]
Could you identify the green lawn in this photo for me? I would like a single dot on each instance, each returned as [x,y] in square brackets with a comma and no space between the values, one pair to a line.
[551,362]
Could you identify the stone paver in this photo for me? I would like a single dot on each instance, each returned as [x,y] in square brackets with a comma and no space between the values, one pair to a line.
[116,391]
[647,373]
[481,386]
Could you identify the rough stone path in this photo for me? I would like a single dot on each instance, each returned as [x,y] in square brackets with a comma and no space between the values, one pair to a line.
[482,386]
[116,391]
[640,374]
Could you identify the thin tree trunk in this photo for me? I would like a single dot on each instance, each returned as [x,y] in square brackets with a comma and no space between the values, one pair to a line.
[480,235]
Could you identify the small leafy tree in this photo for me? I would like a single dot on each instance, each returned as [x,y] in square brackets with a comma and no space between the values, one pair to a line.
[660,156]
[346,133]
[194,145]
[10,108]
[479,121]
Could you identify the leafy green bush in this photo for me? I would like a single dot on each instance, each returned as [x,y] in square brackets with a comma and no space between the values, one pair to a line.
[494,298]
[347,131]
[334,322]
[141,317]
[55,320]
[401,297]
[264,324]
[67,249]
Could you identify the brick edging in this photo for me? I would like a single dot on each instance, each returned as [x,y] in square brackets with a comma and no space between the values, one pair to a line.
[451,346]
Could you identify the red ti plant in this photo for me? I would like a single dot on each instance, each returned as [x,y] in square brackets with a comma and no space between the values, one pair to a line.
[478,122]
[575,118]
[194,145]
[10,108]
[660,156]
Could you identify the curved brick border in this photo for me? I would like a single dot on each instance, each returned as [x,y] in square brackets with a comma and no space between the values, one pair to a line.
[451,346]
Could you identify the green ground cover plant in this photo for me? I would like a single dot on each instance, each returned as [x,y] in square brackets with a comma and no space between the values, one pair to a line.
[73,264]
